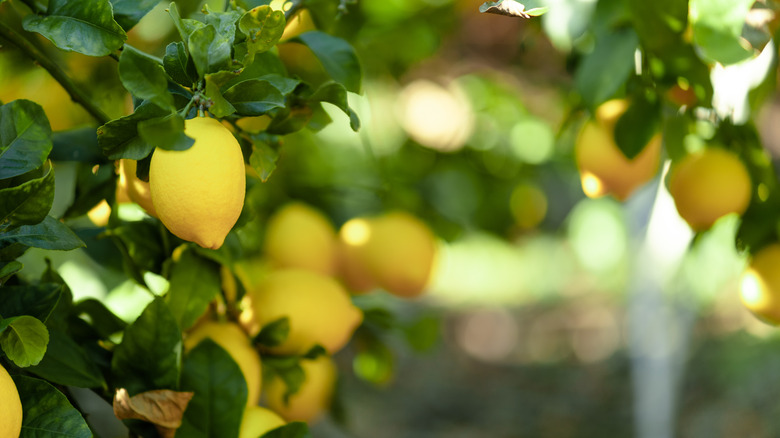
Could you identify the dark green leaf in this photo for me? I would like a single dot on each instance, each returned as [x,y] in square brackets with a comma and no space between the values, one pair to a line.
[337,56]
[194,282]
[7,269]
[717,29]
[66,363]
[185,26]
[224,22]
[613,53]
[149,356]
[263,27]
[637,126]
[25,138]
[264,64]
[29,202]
[12,252]
[220,392]
[102,319]
[77,145]
[335,93]
[675,130]
[263,158]
[129,12]
[288,369]
[23,339]
[424,333]
[145,78]
[295,429]
[659,24]
[49,234]
[287,121]
[176,64]
[33,300]
[220,106]
[141,242]
[254,97]
[119,138]
[166,132]
[86,27]
[274,333]
[47,412]
[93,186]
[210,51]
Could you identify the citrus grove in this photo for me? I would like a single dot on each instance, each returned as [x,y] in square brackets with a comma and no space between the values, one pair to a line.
[201,181]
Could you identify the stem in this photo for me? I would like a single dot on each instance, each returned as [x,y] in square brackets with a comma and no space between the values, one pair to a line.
[55,71]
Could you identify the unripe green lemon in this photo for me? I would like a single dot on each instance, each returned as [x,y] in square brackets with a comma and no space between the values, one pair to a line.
[759,285]
[10,407]
[299,236]
[258,420]
[708,185]
[199,193]
[315,394]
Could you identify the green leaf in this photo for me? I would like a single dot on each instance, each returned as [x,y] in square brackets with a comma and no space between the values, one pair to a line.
[263,158]
[337,56]
[220,106]
[254,97]
[145,78]
[149,356]
[185,26]
[210,51]
[119,138]
[194,283]
[177,64]
[25,138]
[129,12]
[220,392]
[295,429]
[335,93]
[263,27]
[375,363]
[287,368]
[77,145]
[33,300]
[141,242]
[717,29]
[424,333]
[87,26]
[23,339]
[92,187]
[47,412]
[49,234]
[637,126]
[659,24]
[224,22]
[8,269]
[102,319]
[29,202]
[66,363]
[264,64]
[613,53]
[274,333]
[166,132]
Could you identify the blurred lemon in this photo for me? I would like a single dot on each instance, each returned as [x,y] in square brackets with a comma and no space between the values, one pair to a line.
[313,398]
[235,341]
[353,271]
[10,406]
[199,193]
[319,310]
[299,236]
[254,124]
[257,421]
[760,284]
[299,23]
[528,205]
[604,169]
[99,213]
[137,190]
[709,184]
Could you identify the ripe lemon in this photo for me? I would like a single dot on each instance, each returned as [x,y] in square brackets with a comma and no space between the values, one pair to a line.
[759,285]
[199,193]
[708,185]
[257,421]
[298,236]
[353,270]
[234,340]
[318,308]
[137,190]
[314,396]
[604,169]
[10,406]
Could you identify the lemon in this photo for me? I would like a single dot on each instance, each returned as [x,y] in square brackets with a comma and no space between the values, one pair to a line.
[234,340]
[100,213]
[137,190]
[198,193]
[353,270]
[528,205]
[298,236]
[314,396]
[759,285]
[318,309]
[708,185]
[10,406]
[604,169]
[257,421]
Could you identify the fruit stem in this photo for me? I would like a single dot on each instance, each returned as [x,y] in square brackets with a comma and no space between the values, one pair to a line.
[54,70]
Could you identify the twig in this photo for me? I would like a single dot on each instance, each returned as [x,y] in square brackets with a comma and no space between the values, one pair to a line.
[55,71]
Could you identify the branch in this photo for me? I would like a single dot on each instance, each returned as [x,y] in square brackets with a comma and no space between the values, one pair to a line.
[55,71]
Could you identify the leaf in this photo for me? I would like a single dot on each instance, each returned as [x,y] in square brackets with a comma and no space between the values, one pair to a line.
[274,333]
[149,356]
[29,202]
[33,300]
[141,241]
[93,186]
[209,51]
[23,339]
[423,334]
[8,269]
[129,12]
[87,26]
[145,78]
[337,56]
[163,408]
[263,158]
[119,138]
[254,97]
[166,132]
[47,412]
[220,106]
[220,392]
[613,53]
[185,26]
[637,126]
[66,363]
[25,138]
[659,24]
[102,319]
[511,8]
[296,429]
[177,64]
[263,27]
[288,369]
[194,282]
[49,234]
[335,93]
[77,145]
[717,29]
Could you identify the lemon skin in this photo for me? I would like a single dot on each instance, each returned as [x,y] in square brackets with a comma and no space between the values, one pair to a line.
[314,396]
[760,285]
[299,236]
[258,420]
[10,406]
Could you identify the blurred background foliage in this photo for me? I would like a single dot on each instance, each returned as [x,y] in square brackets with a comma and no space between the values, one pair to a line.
[469,121]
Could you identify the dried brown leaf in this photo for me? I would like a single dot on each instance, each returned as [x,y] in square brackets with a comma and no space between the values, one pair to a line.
[163,408]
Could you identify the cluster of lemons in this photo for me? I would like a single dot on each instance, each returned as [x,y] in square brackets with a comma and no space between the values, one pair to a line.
[705,185]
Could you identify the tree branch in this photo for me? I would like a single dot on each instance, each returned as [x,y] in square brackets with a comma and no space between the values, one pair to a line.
[55,71]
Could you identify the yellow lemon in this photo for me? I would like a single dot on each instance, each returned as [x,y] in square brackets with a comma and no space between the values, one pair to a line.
[257,421]
[318,308]
[10,406]
[199,193]
[314,396]
[604,169]
[709,184]
[234,340]
[137,190]
[759,285]
[298,236]
[99,213]
[353,270]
